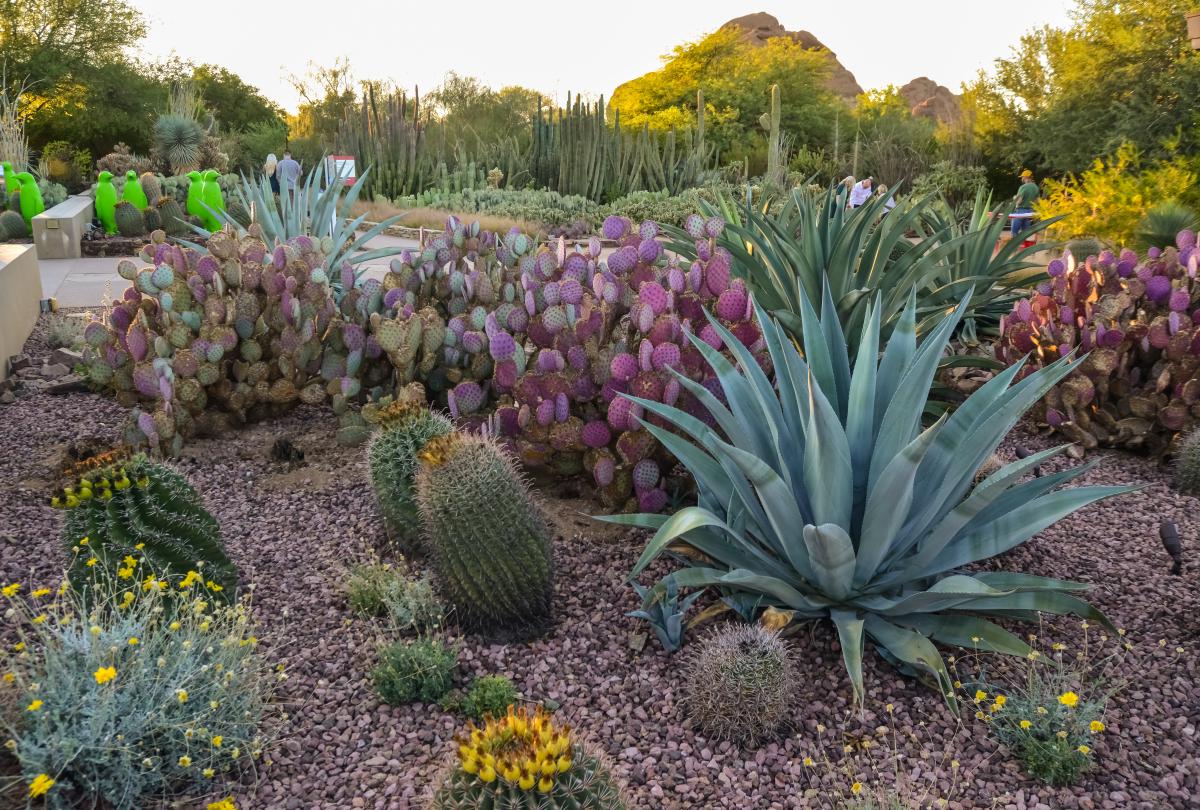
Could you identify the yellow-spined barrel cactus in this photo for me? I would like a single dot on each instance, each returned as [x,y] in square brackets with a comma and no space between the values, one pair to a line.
[405,428]
[523,761]
[489,541]
[145,525]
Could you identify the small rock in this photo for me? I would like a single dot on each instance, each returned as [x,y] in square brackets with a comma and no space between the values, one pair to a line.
[7,398]
[52,371]
[67,357]
[68,385]
[18,362]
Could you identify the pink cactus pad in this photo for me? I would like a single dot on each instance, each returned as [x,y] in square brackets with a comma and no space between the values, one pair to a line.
[623,259]
[623,414]
[604,470]
[646,355]
[654,296]
[731,305]
[545,412]
[562,407]
[615,227]
[649,251]
[502,346]
[623,367]
[665,355]
[596,434]
[645,474]
[652,500]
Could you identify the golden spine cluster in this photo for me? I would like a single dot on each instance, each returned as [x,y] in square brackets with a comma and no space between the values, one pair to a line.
[522,750]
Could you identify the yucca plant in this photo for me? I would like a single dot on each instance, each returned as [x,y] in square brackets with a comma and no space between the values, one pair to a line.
[178,138]
[821,494]
[318,210]
[1162,222]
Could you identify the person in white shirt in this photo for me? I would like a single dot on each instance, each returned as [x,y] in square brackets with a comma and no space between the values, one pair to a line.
[889,201]
[860,193]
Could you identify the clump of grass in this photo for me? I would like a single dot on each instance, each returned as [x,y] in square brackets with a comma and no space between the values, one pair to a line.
[387,589]
[491,694]
[1049,709]
[435,219]
[420,670]
[130,699]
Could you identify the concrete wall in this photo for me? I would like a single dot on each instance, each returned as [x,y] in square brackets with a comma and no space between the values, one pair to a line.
[20,299]
[58,231]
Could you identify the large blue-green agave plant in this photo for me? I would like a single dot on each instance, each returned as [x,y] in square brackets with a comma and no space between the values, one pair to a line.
[822,494]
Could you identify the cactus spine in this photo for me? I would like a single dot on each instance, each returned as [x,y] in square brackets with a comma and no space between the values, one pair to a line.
[132,509]
[523,761]
[405,428]
[488,538]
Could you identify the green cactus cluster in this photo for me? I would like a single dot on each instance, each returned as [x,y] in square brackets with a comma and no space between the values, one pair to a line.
[487,537]
[405,428]
[1187,463]
[523,760]
[144,524]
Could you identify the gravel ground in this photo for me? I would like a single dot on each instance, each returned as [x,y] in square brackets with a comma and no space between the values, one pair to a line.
[292,532]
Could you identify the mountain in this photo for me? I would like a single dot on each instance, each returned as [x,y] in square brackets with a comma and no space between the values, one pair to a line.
[928,99]
[760,27]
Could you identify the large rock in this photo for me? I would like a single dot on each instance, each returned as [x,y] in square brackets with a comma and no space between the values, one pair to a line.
[928,99]
[760,27]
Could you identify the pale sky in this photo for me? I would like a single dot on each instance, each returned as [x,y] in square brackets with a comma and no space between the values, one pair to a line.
[572,46]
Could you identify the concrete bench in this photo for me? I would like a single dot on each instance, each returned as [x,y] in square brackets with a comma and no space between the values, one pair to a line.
[20,299]
[58,231]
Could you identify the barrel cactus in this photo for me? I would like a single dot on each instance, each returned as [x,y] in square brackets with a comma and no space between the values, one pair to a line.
[174,220]
[404,428]
[129,220]
[151,187]
[740,683]
[12,226]
[525,761]
[144,523]
[488,538]
[1187,464]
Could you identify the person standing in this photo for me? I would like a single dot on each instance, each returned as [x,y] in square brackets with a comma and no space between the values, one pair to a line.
[1026,195]
[271,170]
[889,201]
[860,193]
[288,172]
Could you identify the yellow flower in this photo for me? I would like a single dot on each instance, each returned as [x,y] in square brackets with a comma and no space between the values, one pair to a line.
[91,561]
[124,573]
[20,645]
[11,590]
[133,641]
[83,542]
[1068,699]
[856,788]
[889,708]
[185,761]
[1000,701]
[808,762]
[1025,724]
[209,773]
[40,785]
[40,592]
[1096,726]
[140,546]
[980,695]
[175,625]
[1083,749]
[224,804]
[182,695]
[39,618]
[9,677]
[129,561]
[1058,646]
[34,706]
[1042,710]
[105,674]
[1062,735]
[217,740]
[214,587]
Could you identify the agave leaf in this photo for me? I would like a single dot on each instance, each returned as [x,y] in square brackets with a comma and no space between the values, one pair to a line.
[678,525]
[966,631]
[828,476]
[912,648]
[850,636]
[831,554]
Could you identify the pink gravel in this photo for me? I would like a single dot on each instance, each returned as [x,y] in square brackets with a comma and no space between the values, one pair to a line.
[293,533]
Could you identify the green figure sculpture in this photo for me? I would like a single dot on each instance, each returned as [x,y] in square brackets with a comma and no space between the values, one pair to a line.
[106,202]
[10,181]
[31,198]
[133,191]
[195,195]
[213,199]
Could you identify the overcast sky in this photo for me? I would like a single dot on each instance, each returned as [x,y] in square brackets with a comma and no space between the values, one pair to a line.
[571,46]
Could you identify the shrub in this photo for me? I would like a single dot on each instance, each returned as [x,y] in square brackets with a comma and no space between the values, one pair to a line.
[489,695]
[62,163]
[1111,198]
[838,454]
[1187,464]
[537,206]
[1163,223]
[125,703]
[388,590]
[142,521]
[740,683]
[64,332]
[410,671]
[1136,320]
[487,536]
[121,159]
[491,768]
[956,183]
[1049,709]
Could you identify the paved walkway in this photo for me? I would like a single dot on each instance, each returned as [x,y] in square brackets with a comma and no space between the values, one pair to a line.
[91,282]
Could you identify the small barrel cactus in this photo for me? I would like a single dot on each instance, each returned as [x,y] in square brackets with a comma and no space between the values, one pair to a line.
[174,221]
[524,761]
[405,428]
[129,220]
[144,522]
[488,538]
[12,226]
[1187,464]
[740,683]
[151,187]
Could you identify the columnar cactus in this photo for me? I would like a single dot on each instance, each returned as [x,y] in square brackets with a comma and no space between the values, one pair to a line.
[487,536]
[145,524]
[523,760]
[1138,320]
[404,429]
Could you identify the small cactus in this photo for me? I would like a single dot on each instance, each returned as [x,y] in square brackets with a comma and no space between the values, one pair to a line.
[1187,464]
[12,226]
[524,761]
[405,428]
[129,220]
[740,683]
[174,221]
[488,538]
[151,187]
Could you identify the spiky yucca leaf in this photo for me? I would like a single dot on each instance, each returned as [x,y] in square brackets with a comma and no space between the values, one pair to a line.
[179,138]
[823,494]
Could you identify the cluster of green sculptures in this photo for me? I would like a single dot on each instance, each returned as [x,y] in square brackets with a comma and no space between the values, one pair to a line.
[24,184]
[204,198]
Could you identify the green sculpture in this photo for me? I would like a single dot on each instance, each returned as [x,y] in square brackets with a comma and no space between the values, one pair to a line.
[195,195]
[213,199]
[10,182]
[106,202]
[31,198]
[133,191]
